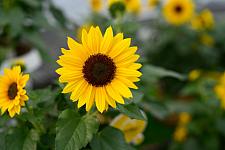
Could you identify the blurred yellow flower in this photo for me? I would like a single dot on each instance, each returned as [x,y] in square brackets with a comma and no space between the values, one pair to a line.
[96,5]
[133,6]
[20,63]
[184,118]
[153,3]
[220,90]
[204,20]
[178,12]
[207,40]
[131,128]
[100,70]
[12,92]
[194,74]
[180,134]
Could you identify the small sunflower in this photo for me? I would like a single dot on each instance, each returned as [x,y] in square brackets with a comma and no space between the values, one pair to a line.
[220,90]
[96,5]
[100,70]
[12,92]
[180,134]
[178,12]
[133,6]
[132,128]
[202,21]
[153,3]
[207,40]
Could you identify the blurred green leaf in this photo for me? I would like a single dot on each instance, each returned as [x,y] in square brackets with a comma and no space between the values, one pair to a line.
[110,139]
[131,110]
[158,110]
[73,132]
[152,73]
[22,139]
[220,125]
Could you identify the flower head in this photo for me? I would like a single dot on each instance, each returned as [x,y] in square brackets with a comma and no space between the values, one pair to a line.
[220,90]
[180,134]
[153,3]
[12,92]
[207,40]
[100,70]
[178,12]
[184,118]
[131,128]
[194,75]
[202,21]
[96,5]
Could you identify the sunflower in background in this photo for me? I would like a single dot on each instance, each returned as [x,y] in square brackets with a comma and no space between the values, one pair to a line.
[180,133]
[96,5]
[207,40]
[12,92]
[100,70]
[178,12]
[220,90]
[153,3]
[203,21]
[133,6]
[133,129]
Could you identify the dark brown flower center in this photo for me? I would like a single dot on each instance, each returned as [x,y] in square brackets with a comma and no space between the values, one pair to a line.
[99,70]
[178,9]
[12,91]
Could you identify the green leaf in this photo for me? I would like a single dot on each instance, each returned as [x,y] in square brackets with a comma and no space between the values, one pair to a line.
[22,139]
[151,73]
[132,110]
[74,132]
[2,140]
[110,139]
[220,125]
[156,109]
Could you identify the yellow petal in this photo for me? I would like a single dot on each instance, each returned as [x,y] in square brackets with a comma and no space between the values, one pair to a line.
[120,47]
[122,89]
[107,41]
[114,94]
[100,99]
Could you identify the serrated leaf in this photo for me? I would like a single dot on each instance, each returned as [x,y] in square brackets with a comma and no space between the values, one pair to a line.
[131,110]
[110,139]
[74,132]
[22,139]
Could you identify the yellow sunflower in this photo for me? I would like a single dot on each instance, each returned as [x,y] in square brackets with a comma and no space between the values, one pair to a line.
[207,40]
[153,3]
[180,134]
[204,20]
[12,92]
[100,69]
[96,5]
[133,6]
[132,128]
[178,12]
[220,90]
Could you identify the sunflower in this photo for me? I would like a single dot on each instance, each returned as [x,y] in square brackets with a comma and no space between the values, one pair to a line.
[132,128]
[96,5]
[153,3]
[133,6]
[220,90]
[101,69]
[178,12]
[202,21]
[12,92]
